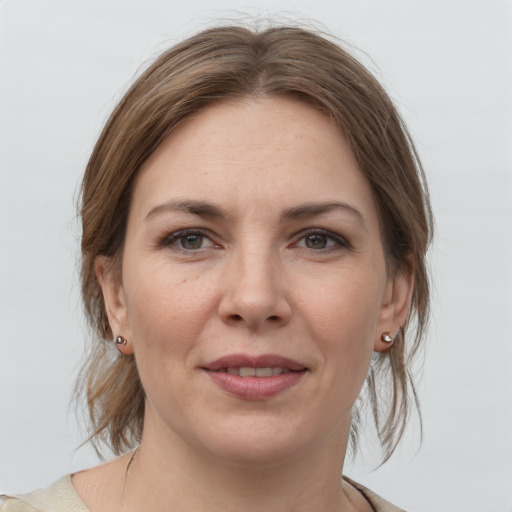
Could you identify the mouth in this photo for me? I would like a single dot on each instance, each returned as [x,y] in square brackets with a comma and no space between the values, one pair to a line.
[255,378]
[248,371]
[244,365]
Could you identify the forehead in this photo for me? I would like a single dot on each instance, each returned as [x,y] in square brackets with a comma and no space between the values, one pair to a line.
[272,151]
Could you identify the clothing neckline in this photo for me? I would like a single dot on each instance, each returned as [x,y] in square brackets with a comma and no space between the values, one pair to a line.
[62,497]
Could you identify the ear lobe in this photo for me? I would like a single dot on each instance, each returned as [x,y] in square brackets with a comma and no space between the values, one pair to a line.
[114,299]
[395,307]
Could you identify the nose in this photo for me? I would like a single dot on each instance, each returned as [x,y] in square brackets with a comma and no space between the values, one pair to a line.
[254,292]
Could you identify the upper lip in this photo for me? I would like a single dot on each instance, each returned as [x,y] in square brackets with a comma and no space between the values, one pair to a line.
[262,361]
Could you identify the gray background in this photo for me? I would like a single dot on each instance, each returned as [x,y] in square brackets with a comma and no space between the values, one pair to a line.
[447,63]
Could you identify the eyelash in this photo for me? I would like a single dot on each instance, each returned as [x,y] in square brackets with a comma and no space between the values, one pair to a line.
[172,238]
[339,241]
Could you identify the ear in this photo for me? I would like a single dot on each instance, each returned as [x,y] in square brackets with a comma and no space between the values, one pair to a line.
[395,307]
[115,303]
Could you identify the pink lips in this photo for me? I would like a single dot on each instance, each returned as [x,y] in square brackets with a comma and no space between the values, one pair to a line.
[254,387]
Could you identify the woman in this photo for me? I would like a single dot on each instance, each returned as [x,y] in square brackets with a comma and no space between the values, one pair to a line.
[255,225]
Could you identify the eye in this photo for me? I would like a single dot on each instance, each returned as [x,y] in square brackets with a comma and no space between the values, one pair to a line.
[317,239]
[191,241]
[188,240]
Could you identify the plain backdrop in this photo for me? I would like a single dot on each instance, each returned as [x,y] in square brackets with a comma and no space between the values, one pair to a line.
[446,63]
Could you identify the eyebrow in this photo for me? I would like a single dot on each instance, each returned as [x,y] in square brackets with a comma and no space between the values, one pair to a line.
[201,208]
[205,209]
[314,209]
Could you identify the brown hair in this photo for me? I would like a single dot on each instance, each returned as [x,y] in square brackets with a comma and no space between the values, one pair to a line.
[230,62]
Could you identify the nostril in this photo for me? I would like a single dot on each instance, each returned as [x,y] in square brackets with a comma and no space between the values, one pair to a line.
[239,318]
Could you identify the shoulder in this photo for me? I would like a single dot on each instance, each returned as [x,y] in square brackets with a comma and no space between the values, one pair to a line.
[378,504]
[59,497]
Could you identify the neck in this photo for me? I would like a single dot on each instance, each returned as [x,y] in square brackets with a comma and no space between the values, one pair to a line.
[175,476]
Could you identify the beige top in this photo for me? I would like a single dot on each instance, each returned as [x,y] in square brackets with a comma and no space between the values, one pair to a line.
[62,497]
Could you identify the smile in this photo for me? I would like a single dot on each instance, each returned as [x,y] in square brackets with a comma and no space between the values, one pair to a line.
[255,377]
[247,371]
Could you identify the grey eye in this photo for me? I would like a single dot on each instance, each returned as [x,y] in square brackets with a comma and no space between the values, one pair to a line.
[191,241]
[316,241]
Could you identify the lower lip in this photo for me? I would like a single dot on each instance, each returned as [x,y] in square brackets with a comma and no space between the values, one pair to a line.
[256,388]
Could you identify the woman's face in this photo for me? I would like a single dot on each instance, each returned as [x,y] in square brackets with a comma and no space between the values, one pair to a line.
[254,287]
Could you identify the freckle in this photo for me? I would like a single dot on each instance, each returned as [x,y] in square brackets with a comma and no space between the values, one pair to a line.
[184,280]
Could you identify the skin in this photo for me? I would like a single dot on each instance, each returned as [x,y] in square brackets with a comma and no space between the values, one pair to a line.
[312,287]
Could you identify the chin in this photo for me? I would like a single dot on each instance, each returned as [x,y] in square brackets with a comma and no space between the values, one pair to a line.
[259,442]
[254,453]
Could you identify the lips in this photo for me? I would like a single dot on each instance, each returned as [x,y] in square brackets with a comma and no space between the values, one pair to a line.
[255,378]
[246,361]
[248,371]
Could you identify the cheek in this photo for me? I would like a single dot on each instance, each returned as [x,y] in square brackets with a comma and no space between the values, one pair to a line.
[347,308]
[166,309]
[343,320]
[165,320]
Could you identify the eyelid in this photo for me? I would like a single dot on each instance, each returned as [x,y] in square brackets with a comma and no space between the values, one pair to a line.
[340,240]
[170,238]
